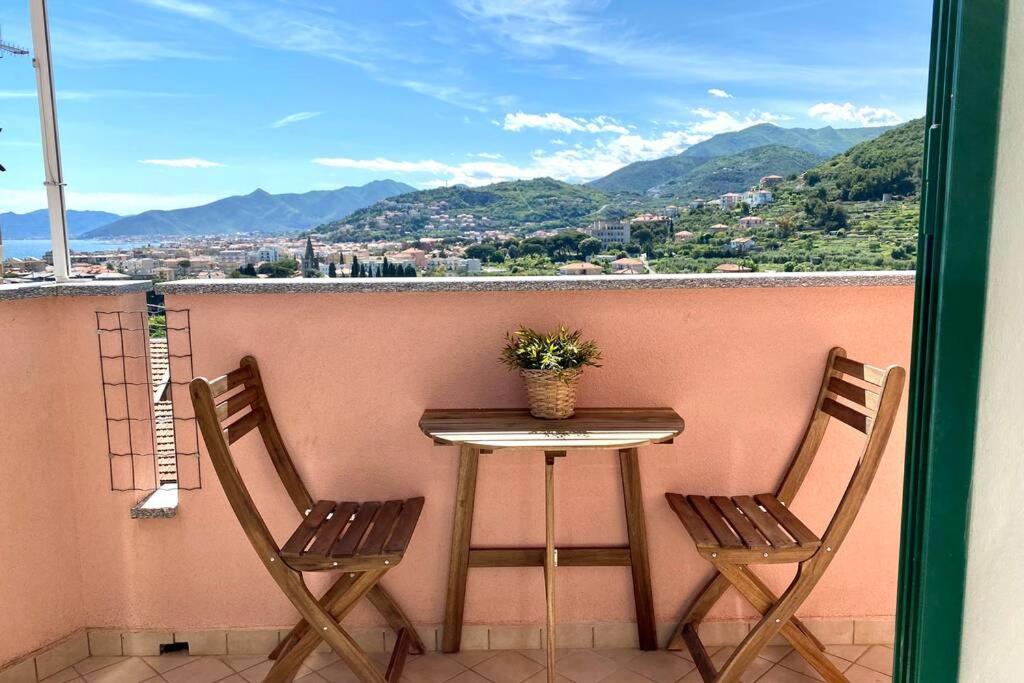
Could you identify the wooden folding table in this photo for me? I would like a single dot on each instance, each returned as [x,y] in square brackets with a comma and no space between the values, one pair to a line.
[484,431]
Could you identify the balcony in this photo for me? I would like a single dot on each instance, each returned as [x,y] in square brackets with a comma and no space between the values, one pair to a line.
[349,367]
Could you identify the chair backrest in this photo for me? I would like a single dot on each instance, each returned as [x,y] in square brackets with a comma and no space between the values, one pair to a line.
[228,408]
[860,396]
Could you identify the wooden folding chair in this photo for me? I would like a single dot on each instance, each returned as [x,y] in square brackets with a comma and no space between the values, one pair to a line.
[735,532]
[363,540]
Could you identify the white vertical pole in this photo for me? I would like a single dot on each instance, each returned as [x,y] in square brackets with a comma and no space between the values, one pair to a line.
[51,141]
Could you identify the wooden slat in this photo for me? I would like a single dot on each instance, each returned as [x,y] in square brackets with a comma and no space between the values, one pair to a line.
[764,522]
[307,530]
[846,414]
[700,655]
[398,655]
[227,382]
[382,527]
[748,534]
[237,402]
[236,430]
[347,544]
[534,557]
[691,520]
[332,528]
[868,373]
[404,527]
[795,528]
[713,518]
[859,395]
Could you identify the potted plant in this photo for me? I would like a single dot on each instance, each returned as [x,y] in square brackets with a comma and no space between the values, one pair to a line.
[550,365]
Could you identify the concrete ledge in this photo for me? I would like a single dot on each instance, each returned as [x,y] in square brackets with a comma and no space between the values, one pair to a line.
[536,284]
[34,290]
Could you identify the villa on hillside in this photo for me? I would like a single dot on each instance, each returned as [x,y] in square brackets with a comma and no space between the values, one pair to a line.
[748,222]
[580,268]
[683,236]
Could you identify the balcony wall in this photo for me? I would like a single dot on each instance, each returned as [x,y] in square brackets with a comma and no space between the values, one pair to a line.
[52,455]
[349,367]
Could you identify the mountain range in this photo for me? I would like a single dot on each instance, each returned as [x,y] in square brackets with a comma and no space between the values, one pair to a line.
[258,211]
[35,225]
[685,170]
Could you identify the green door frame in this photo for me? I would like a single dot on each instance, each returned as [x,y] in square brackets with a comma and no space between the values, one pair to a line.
[965,83]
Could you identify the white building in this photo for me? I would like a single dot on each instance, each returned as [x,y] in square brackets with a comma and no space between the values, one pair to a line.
[609,232]
[758,197]
[730,200]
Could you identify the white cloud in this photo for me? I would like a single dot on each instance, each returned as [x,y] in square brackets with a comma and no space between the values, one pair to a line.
[716,122]
[486,155]
[380,164]
[192,9]
[295,118]
[93,43]
[563,124]
[187,162]
[850,113]
[718,92]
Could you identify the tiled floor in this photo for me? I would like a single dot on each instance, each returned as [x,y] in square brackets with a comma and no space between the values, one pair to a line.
[860,663]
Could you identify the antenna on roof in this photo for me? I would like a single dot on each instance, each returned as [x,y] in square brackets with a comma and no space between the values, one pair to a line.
[8,48]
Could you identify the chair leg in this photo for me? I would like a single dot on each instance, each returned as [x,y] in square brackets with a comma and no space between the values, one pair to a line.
[776,618]
[699,608]
[323,625]
[396,618]
[328,600]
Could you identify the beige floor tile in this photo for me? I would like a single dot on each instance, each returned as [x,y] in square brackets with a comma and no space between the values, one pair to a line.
[471,658]
[797,663]
[242,662]
[848,652]
[874,631]
[432,668]
[95,663]
[615,636]
[585,666]
[69,651]
[257,673]
[506,667]
[542,677]
[104,643]
[515,638]
[624,676]
[860,674]
[130,670]
[877,658]
[311,677]
[757,668]
[154,679]
[321,660]
[780,674]
[199,670]
[469,677]
[162,663]
[541,656]
[233,679]
[621,655]
[22,672]
[775,653]
[68,674]
[252,642]
[660,666]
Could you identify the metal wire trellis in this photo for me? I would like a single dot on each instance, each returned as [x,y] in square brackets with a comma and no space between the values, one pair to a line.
[152,438]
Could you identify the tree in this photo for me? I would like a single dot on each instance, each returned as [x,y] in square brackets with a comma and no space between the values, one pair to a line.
[248,269]
[386,268]
[184,264]
[590,246]
[484,251]
[644,237]
[355,266]
[410,271]
[332,270]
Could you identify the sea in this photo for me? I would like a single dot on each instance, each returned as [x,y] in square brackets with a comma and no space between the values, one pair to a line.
[25,248]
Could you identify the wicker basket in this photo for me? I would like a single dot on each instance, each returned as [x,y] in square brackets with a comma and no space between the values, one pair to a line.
[552,393]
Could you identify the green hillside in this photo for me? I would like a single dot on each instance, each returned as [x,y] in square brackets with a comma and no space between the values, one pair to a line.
[642,176]
[737,172]
[534,204]
[889,164]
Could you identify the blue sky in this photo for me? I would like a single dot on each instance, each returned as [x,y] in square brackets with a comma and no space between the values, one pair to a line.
[169,103]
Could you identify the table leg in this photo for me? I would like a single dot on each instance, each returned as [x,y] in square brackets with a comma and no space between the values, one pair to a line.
[462,529]
[636,527]
[550,561]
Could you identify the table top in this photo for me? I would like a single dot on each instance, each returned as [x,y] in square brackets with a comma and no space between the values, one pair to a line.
[588,428]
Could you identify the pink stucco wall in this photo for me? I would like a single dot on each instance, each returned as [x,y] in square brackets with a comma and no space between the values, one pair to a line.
[349,375]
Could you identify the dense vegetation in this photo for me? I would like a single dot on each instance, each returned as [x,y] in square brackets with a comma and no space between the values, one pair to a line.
[738,171]
[890,164]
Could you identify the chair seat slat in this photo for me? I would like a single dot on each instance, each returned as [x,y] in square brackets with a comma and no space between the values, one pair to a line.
[764,522]
[740,524]
[332,528]
[691,520]
[789,521]
[713,518]
[227,382]
[382,526]
[404,527]
[868,373]
[236,430]
[307,530]
[347,544]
